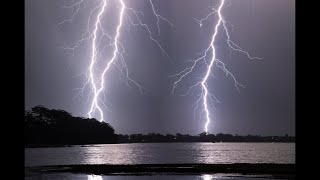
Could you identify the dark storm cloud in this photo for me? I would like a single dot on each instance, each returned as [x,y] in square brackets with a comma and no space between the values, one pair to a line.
[266,28]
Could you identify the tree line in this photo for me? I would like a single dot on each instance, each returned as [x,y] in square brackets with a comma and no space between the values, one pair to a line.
[203,137]
[51,126]
[43,126]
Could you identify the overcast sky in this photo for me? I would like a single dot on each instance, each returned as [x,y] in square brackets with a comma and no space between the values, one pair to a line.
[265,28]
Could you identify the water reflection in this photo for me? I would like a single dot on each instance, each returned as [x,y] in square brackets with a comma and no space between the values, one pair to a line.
[114,154]
[220,176]
[207,177]
[71,176]
[153,153]
[94,177]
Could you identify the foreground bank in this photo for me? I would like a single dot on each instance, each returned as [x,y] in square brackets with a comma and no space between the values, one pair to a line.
[276,170]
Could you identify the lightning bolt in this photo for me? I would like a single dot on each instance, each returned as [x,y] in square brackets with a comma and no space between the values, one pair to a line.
[94,104]
[98,36]
[205,95]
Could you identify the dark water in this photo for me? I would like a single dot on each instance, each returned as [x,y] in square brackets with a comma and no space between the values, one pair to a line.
[158,153]
[70,176]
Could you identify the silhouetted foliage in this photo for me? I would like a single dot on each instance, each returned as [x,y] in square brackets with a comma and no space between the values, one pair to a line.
[51,126]
[45,126]
[203,137]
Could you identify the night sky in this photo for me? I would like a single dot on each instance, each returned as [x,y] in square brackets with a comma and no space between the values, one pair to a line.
[265,28]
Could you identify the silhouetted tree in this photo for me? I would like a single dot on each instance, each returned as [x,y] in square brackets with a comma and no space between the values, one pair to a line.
[51,126]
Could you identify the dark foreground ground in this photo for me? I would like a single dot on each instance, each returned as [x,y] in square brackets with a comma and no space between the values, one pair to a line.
[275,170]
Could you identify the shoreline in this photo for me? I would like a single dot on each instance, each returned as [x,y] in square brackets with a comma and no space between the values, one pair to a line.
[88,145]
[276,170]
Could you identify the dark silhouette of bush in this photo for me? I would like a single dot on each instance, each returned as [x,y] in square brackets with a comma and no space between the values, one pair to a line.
[51,126]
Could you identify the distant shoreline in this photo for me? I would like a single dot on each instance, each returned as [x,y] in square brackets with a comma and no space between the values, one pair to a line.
[88,145]
[276,170]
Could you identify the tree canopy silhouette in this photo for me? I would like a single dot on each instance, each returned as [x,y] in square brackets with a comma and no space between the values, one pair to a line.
[45,126]
[51,126]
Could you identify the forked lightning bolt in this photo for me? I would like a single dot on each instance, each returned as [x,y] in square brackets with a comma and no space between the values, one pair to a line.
[205,95]
[99,35]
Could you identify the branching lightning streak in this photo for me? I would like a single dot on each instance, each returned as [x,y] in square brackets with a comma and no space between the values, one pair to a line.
[94,104]
[98,45]
[202,84]
[140,23]
[159,16]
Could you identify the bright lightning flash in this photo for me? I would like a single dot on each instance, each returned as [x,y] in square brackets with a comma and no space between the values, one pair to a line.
[202,84]
[99,35]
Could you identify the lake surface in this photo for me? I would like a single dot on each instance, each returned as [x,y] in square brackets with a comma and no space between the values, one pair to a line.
[71,176]
[163,153]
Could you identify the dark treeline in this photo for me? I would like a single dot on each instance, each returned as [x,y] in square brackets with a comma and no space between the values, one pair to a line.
[50,126]
[203,137]
[45,126]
